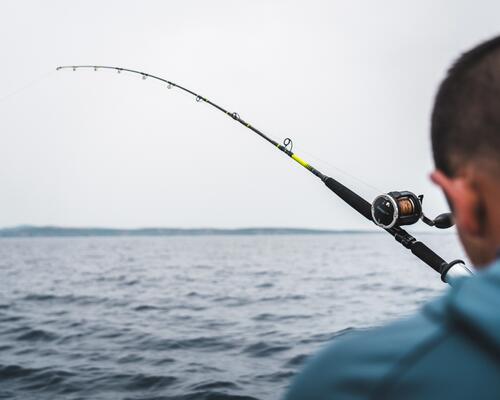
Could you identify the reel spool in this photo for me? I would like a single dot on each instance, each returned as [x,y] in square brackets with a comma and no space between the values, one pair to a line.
[404,208]
[396,209]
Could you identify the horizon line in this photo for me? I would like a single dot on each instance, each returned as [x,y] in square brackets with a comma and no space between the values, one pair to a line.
[68,231]
[54,230]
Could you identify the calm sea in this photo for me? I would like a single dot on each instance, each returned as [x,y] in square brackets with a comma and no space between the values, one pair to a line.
[205,317]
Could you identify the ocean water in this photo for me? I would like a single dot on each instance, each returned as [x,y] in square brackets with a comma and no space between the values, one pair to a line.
[205,317]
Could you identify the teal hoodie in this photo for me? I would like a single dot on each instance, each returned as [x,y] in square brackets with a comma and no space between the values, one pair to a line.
[449,350]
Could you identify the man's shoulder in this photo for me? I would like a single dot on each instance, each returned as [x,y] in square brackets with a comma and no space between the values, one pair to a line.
[450,348]
[356,364]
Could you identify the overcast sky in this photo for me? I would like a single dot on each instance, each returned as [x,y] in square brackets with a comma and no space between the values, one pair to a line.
[351,82]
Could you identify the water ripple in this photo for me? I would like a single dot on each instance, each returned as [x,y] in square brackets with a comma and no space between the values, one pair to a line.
[188,318]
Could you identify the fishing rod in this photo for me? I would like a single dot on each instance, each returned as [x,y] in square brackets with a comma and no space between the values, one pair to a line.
[389,211]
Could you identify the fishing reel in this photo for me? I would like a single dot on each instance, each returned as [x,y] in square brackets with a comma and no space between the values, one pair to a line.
[404,208]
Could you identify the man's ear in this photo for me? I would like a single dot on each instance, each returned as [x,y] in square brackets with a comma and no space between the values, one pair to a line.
[464,201]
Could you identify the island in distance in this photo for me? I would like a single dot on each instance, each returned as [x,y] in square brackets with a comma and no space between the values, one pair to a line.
[56,231]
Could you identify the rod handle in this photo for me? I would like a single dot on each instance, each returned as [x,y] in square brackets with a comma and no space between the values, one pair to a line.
[428,256]
[351,198]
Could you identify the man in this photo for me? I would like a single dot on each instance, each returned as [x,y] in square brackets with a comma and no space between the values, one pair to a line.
[451,348]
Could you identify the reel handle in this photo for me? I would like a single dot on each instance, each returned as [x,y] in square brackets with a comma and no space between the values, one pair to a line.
[442,221]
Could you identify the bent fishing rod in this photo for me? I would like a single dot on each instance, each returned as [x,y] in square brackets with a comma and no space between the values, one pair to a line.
[389,211]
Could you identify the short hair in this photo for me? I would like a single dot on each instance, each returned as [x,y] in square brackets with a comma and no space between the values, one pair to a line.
[465,123]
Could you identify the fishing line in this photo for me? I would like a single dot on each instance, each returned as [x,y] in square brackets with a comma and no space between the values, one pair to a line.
[343,172]
[27,86]
[389,211]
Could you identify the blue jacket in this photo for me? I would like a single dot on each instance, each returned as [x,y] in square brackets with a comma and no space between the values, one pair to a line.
[449,350]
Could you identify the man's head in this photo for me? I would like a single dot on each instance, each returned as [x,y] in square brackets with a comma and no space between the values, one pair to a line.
[466,144]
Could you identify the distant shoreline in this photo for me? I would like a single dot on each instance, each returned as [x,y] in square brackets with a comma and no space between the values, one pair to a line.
[56,231]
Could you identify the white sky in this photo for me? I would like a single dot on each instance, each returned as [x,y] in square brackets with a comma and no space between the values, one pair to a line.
[351,82]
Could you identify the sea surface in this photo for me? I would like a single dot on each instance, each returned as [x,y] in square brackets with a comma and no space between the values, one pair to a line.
[193,317]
